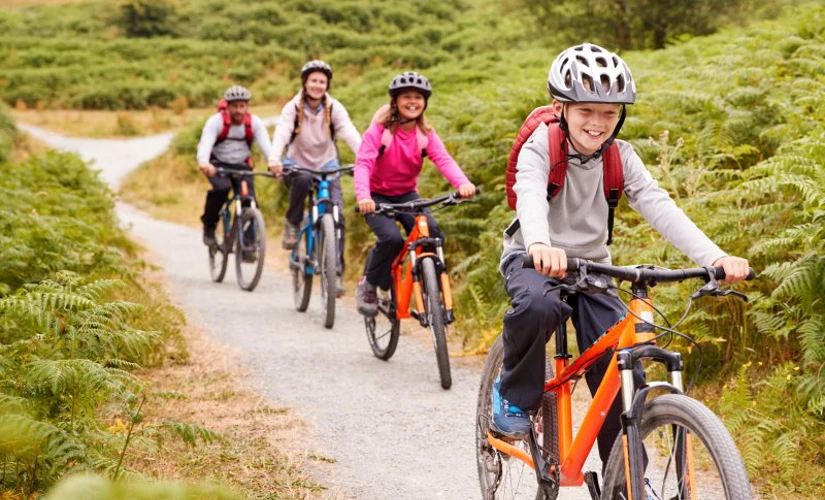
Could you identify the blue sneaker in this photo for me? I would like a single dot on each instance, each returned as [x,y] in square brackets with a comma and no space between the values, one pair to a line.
[508,420]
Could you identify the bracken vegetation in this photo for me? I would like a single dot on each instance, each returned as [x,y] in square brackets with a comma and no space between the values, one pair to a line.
[732,125]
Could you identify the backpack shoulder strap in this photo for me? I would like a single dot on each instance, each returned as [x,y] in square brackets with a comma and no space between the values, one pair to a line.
[331,123]
[558,148]
[294,125]
[542,114]
[386,140]
[613,184]
[250,133]
[227,122]
[423,141]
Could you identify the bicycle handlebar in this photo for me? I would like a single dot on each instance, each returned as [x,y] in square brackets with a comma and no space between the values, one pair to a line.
[323,173]
[242,173]
[640,274]
[419,205]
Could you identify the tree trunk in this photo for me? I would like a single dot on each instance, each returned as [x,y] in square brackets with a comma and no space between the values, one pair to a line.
[622,28]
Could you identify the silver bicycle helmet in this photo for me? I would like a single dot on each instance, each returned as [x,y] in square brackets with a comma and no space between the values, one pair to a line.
[316,65]
[410,80]
[237,93]
[589,73]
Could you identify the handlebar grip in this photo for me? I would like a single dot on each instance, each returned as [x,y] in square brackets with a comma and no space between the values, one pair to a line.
[527,262]
[720,273]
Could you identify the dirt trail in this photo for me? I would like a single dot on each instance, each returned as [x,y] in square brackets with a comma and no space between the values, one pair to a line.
[389,427]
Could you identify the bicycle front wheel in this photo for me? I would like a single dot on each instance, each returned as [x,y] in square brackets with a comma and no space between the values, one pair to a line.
[327,262]
[301,280]
[500,475]
[250,248]
[690,454]
[219,252]
[436,317]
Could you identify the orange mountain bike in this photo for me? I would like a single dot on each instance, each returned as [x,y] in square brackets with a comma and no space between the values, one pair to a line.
[417,271]
[671,446]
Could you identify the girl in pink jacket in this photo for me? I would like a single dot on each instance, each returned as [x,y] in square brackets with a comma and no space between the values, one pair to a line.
[387,166]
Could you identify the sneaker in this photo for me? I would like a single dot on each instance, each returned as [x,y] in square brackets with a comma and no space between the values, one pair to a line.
[366,298]
[290,238]
[209,235]
[339,287]
[508,420]
[248,256]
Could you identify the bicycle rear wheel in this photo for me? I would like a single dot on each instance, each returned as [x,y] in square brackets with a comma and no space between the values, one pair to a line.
[382,329]
[219,252]
[500,475]
[301,280]
[436,317]
[690,454]
[327,262]
[250,248]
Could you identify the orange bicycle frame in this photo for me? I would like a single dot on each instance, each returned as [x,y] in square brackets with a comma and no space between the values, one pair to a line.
[407,286]
[573,451]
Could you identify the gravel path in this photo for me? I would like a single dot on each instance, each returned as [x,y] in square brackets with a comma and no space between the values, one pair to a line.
[389,427]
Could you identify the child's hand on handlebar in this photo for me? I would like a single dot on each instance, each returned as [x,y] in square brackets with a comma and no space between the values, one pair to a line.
[467,190]
[548,260]
[366,206]
[736,269]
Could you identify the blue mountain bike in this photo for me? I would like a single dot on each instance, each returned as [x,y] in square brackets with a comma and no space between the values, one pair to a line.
[316,251]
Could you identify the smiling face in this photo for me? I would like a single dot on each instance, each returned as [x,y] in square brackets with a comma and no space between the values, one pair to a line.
[316,85]
[590,124]
[410,104]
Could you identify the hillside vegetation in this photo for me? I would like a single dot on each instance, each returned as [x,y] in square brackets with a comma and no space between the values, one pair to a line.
[732,124]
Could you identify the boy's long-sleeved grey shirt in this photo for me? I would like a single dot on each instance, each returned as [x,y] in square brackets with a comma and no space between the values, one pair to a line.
[575,220]
[234,149]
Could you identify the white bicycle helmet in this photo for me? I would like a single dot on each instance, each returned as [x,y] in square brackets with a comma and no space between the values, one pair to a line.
[237,93]
[410,80]
[589,73]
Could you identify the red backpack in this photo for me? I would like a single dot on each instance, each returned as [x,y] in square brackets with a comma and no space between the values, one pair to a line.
[223,109]
[613,171]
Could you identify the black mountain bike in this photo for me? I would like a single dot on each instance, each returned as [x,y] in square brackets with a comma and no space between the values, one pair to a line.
[241,230]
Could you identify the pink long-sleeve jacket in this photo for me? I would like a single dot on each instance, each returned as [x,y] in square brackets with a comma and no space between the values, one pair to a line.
[396,171]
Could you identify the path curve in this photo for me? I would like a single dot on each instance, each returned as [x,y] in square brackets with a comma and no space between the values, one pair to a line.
[389,427]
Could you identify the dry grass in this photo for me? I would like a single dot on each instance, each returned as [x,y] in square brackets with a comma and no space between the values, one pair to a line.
[103,124]
[261,456]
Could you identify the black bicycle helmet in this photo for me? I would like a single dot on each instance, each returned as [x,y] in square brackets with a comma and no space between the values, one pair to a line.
[410,80]
[316,65]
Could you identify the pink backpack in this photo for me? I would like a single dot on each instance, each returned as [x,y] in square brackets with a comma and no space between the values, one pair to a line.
[386,135]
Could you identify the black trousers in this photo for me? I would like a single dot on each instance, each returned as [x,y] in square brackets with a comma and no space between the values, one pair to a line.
[528,326]
[300,184]
[390,241]
[217,196]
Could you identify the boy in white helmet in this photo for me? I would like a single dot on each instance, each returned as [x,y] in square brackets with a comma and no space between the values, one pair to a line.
[590,87]
[226,142]
[308,127]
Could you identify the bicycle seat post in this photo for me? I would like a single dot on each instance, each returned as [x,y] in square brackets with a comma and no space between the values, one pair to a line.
[561,335]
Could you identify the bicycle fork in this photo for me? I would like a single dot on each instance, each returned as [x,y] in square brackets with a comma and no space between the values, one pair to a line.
[633,402]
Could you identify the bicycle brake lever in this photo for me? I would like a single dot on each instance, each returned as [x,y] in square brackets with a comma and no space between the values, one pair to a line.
[738,295]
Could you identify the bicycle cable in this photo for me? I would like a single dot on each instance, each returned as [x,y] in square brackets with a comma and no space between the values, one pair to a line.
[670,330]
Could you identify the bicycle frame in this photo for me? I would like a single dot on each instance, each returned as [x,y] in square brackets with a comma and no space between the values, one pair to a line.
[630,331]
[320,201]
[406,276]
[240,193]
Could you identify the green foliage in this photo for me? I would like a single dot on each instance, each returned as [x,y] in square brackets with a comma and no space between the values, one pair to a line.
[76,325]
[94,487]
[146,18]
